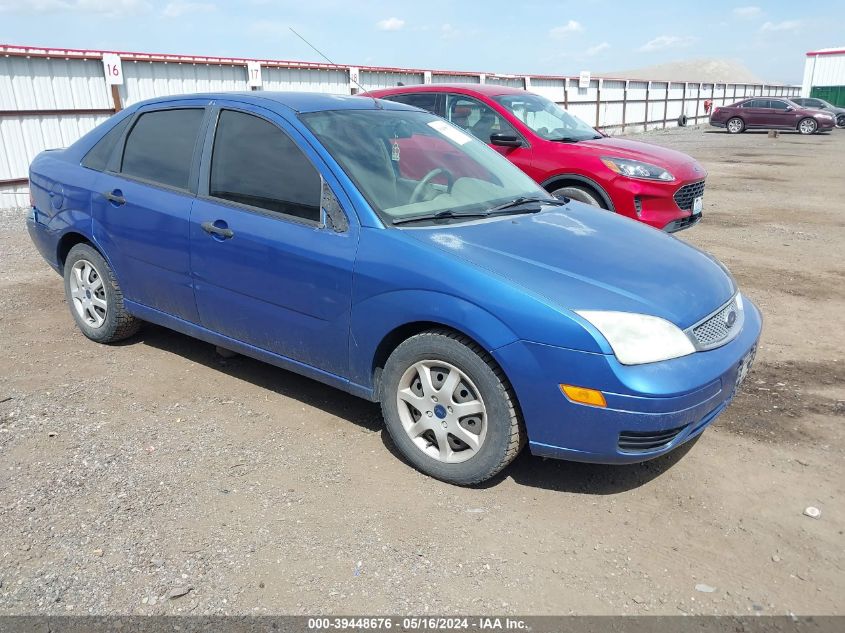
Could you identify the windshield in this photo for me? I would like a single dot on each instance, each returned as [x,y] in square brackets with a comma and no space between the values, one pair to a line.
[546,118]
[408,163]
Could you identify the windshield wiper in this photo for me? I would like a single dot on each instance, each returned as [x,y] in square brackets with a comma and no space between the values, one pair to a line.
[448,214]
[572,139]
[518,202]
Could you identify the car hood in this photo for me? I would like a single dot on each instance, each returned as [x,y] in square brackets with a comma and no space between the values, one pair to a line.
[581,258]
[637,150]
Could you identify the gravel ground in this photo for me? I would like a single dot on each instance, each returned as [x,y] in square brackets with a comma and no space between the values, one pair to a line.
[155,477]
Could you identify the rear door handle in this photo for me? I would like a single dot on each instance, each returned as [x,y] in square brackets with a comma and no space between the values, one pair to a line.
[212,229]
[115,197]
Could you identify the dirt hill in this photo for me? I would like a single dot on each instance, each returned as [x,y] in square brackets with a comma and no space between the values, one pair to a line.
[710,70]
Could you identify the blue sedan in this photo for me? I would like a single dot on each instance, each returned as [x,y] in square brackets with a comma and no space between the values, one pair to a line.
[381,250]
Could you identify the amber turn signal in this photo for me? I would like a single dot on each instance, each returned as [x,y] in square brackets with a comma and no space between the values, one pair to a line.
[582,395]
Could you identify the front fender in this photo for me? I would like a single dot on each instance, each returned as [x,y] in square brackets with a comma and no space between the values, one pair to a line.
[377,316]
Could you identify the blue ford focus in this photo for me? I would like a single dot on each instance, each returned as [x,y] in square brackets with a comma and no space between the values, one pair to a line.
[378,249]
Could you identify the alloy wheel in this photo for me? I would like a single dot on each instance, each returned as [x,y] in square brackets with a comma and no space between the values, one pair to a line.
[442,411]
[807,126]
[88,293]
[735,126]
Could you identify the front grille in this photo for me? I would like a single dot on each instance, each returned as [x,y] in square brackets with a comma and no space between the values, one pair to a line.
[642,441]
[685,195]
[720,327]
[682,223]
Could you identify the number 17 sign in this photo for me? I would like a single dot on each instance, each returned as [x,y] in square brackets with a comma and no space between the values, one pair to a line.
[112,69]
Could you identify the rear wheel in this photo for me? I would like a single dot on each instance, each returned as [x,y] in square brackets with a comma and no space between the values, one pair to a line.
[449,408]
[95,298]
[735,125]
[581,194]
[808,126]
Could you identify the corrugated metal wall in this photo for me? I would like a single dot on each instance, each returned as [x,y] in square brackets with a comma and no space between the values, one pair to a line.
[823,70]
[49,98]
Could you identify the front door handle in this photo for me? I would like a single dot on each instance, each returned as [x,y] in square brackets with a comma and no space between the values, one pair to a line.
[115,197]
[221,231]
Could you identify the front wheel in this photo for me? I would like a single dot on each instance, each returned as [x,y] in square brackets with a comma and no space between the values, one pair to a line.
[580,194]
[449,408]
[840,121]
[808,126]
[735,125]
[95,298]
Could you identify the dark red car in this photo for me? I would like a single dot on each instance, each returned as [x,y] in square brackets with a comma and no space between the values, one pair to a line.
[655,185]
[765,113]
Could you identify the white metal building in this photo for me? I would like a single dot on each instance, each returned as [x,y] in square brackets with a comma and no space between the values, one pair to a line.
[824,75]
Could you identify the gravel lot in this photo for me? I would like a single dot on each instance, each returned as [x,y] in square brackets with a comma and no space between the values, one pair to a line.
[132,473]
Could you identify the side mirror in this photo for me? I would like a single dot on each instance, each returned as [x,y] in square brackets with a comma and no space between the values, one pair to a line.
[789,108]
[505,140]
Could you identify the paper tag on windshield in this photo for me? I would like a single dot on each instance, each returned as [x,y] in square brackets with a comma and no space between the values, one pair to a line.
[394,154]
[450,132]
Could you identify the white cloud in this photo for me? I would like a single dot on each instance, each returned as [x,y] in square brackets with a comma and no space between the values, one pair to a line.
[570,27]
[109,8]
[178,9]
[598,48]
[786,25]
[663,42]
[747,12]
[449,32]
[390,24]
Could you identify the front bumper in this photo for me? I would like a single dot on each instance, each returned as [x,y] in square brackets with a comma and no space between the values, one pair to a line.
[653,202]
[651,409]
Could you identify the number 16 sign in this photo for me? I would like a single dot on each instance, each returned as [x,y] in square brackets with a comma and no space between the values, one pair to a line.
[112,69]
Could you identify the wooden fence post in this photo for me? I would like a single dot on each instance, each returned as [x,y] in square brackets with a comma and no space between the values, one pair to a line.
[624,105]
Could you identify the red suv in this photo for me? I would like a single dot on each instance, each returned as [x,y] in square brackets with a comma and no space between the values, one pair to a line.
[655,185]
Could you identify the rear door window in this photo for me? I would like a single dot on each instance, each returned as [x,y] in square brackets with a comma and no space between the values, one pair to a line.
[160,147]
[424,100]
[256,164]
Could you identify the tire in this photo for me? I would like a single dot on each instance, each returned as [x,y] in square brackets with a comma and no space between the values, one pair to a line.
[581,194]
[735,125]
[94,297]
[808,126]
[840,121]
[430,439]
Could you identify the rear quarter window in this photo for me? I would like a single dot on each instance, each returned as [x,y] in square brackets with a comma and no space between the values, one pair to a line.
[98,156]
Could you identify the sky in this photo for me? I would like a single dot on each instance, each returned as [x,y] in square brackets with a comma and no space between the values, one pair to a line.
[495,36]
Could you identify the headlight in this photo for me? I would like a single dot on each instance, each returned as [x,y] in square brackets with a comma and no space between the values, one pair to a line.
[639,338]
[637,169]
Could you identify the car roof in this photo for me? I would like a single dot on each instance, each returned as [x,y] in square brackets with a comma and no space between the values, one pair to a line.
[489,90]
[296,101]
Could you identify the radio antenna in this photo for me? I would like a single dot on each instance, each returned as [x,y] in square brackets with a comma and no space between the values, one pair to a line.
[324,56]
